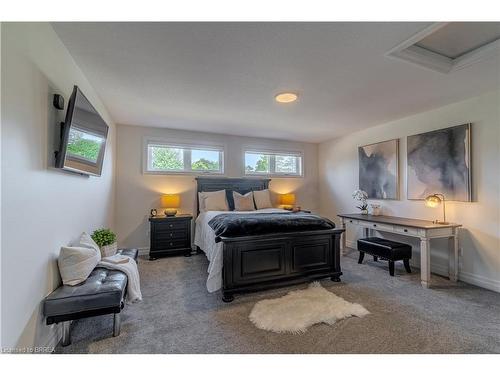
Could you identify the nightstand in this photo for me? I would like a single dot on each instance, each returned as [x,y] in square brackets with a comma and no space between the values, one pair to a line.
[170,235]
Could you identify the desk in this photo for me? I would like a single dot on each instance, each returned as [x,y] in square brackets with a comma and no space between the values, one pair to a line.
[423,229]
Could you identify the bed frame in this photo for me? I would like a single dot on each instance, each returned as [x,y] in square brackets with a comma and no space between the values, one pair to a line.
[252,263]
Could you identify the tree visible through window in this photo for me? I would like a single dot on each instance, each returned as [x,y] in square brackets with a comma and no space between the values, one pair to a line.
[205,160]
[164,158]
[255,163]
[271,163]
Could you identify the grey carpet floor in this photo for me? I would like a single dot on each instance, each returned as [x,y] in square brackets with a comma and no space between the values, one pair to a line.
[178,315]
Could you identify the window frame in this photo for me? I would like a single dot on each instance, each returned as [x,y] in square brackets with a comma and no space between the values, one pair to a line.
[187,148]
[272,162]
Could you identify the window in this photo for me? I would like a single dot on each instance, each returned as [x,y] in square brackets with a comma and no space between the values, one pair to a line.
[273,163]
[173,158]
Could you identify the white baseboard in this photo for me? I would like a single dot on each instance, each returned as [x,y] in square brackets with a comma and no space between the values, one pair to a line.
[483,282]
[442,270]
[143,250]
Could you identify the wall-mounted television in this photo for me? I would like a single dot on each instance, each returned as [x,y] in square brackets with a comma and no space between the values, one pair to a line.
[83,137]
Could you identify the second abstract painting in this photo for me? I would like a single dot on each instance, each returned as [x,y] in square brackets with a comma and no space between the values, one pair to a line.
[378,169]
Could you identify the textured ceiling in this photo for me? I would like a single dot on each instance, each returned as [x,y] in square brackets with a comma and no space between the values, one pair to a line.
[222,77]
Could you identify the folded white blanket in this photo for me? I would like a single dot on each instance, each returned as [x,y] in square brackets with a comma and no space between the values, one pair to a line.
[129,268]
[117,259]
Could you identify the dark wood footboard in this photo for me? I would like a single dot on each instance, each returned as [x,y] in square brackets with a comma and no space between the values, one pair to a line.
[268,261]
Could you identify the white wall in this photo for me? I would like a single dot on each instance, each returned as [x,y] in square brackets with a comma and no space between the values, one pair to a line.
[42,208]
[480,237]
[137,193]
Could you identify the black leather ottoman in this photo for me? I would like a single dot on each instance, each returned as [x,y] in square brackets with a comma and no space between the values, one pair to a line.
[385,249]
[132,253]
[102,293]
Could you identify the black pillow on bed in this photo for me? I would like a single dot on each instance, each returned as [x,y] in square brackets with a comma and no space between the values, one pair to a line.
[230,200]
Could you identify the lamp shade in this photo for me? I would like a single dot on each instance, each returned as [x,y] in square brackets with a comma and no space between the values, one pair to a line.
[170,200]
[432,201]
[287,199]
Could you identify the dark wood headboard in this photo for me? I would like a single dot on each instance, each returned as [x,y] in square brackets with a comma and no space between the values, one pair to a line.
[240,185]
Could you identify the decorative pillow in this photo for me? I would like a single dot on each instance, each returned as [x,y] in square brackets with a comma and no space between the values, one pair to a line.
[262,199]
[213,201]
[243,202]
[76,264]
[87,241]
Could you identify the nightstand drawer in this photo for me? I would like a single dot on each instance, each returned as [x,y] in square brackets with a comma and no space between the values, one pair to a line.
[171,235]
[170,244]
[172,225]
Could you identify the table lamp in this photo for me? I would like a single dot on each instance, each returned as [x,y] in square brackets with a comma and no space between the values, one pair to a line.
[433,201]
[170,202]
[287,200]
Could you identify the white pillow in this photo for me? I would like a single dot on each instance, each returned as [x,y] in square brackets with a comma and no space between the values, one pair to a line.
[87,241]
[262,199]
[243,202]
[213,201]
[76,264]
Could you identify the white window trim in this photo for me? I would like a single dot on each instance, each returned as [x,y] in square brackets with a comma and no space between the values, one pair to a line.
[186,145]
[273,173]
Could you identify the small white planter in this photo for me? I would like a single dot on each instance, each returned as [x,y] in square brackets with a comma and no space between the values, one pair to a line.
[109,250]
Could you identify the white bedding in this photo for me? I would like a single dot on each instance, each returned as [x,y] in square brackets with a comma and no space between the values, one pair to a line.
[205,239]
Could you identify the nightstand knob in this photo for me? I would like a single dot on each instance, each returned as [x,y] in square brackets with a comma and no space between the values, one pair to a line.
[171,244]
[171,235]
[171,225]
[374,225]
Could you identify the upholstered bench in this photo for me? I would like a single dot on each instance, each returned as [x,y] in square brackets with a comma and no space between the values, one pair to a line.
[385,249]
[102,293]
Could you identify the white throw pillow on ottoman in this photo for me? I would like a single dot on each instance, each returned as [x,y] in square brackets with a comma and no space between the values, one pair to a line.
[87,241]
[76,264]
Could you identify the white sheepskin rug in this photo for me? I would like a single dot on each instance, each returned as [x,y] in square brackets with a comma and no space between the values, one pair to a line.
[300,309]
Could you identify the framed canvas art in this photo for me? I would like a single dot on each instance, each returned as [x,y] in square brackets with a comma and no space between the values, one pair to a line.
[439,162]
[378,169]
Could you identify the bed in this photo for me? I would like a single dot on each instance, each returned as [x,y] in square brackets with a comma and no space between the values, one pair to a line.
[246,263]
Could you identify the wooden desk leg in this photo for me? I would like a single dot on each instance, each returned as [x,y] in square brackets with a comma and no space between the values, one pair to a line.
[425,262]
[343,240]
[453,256]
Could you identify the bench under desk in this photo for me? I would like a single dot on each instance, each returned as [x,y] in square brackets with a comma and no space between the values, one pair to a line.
[423,229]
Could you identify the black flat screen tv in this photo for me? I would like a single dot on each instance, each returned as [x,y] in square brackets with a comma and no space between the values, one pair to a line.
[83,139]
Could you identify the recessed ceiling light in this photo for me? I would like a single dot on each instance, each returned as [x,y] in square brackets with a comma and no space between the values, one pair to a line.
[286,97]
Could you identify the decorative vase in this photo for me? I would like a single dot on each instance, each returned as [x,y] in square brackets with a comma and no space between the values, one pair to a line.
[376,209]
[109,250]
[364,212]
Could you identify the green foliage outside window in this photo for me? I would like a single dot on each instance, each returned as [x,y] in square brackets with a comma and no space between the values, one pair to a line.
[205,165]
[262,165]
[167,158]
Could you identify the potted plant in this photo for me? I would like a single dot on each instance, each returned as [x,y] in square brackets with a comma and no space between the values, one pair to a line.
[361,196]
[106,240]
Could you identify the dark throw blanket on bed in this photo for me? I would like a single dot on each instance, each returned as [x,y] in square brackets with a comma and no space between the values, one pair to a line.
[234,225]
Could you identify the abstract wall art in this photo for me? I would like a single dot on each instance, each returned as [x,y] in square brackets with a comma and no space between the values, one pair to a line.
[439,162]
[378,169]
